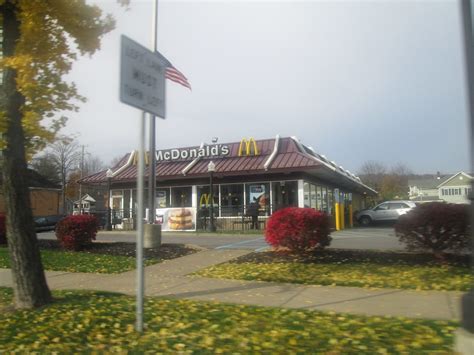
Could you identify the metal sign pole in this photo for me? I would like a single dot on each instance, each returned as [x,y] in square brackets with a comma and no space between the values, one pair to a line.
[141,207]
[464,342]
[142,85]
[152,167]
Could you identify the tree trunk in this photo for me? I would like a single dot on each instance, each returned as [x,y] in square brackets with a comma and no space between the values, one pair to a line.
[29,282]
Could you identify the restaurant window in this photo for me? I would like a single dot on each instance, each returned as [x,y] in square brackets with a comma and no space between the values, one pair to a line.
[284,194]
[116,205]
[330,201]
[181,196]
[126,203]
[306,194]
[204,196]
[162,198]
[232,200]
[260,193]
[135,201]
[324,200]
[312,189]
[319,200]
[348,198]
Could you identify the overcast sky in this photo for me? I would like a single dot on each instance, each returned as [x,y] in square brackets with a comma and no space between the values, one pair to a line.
[356,80]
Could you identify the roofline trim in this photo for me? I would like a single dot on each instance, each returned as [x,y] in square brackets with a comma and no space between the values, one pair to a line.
[123,167]
[302,150]
[194,162]
[330,166]
[274,153]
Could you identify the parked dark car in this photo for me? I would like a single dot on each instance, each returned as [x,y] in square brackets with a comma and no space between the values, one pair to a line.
[47,223]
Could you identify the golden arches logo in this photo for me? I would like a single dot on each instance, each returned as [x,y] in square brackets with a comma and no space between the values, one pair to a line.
[204,199]
[248,147]
[135,158]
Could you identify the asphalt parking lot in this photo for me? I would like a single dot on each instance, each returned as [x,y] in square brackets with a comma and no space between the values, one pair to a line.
[374,238]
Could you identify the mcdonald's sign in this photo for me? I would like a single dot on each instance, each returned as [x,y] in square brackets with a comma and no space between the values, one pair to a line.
[204,201]
[248,144]
[135,158]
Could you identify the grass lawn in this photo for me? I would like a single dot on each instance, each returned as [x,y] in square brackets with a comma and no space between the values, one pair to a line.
[81,261]
[103,322]
[386,270]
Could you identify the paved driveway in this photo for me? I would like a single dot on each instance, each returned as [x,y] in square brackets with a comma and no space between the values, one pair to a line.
[205,240]
[382,238]
[357,238]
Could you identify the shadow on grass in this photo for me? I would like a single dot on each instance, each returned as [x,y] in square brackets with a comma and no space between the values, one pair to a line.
[164,252]
[349,256]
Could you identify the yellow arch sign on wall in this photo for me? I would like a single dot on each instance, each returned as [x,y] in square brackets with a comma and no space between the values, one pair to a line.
[204,199]
[248,145]
[135,158]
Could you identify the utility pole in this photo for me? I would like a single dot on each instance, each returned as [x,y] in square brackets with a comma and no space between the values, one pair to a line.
[464,343]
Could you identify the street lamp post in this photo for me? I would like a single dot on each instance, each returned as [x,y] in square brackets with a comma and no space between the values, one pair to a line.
[108,224]
[211,167]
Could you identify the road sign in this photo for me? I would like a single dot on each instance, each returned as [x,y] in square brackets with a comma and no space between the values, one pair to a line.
[142,78]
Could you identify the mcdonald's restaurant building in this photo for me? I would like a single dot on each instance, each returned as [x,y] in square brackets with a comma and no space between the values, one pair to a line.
[274,173]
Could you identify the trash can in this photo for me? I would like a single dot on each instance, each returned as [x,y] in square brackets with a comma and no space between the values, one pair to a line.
[152,236]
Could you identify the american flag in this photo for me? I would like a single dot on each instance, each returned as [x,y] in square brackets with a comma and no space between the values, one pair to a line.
[174,74]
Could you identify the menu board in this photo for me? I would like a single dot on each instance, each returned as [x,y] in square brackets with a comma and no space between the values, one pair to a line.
[257,193]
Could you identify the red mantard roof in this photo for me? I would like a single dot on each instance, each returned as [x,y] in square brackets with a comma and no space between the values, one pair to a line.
[291,156]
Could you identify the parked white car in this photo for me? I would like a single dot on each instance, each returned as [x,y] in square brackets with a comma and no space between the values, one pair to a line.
[386,211]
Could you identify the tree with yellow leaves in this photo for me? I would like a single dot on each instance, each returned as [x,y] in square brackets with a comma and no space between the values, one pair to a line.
[41,39]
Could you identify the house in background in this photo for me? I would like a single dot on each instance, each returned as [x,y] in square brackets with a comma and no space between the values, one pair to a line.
[85,205]
[456,189]
[449,188]
[45,196]
[425,188]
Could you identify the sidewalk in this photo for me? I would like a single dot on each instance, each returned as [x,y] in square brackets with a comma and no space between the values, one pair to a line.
[169,279]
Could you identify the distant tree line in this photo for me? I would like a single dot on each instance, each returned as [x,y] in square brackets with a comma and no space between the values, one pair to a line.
[64,162]
[390,182]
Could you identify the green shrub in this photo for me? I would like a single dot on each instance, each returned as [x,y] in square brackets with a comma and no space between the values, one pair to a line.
[435,226]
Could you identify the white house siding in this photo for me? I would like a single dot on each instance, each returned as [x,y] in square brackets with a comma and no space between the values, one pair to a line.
[455,194]
[456,189]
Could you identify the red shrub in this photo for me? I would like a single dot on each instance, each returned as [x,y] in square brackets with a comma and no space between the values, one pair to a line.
[3,230]
[436,227]
[298,229]
[76,232]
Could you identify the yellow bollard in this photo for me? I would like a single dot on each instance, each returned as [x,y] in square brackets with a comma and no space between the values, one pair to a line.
[338,221]
[351,219]
[341,213]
